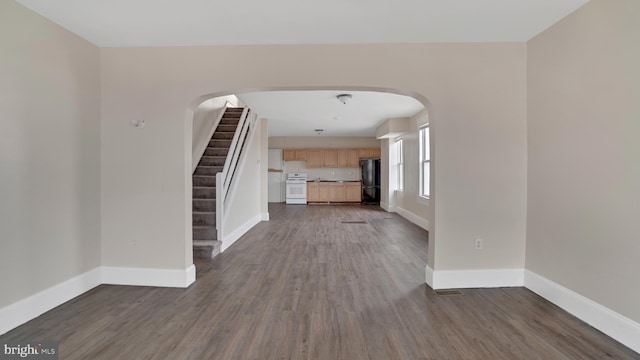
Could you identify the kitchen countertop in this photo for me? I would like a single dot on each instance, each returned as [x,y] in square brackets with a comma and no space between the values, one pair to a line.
[333,180]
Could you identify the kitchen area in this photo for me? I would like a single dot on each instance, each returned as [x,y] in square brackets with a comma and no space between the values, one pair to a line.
[336,174]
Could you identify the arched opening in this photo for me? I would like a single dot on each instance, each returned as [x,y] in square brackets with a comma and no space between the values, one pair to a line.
[417,214]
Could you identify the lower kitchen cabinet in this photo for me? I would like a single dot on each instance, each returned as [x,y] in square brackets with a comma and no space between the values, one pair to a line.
[329,191]
[352,192]
[313,194]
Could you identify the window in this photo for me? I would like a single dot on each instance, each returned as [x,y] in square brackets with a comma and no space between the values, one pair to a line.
[425,161]
[400,164]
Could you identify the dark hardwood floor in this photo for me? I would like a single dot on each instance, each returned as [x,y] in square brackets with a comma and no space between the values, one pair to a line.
[317,282]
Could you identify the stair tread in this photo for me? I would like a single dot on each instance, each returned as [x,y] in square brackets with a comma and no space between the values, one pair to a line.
[204,213]
[203,187]
[205,199]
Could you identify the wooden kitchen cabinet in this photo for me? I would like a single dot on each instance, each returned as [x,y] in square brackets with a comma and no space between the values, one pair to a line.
[363,153]
[369,152]
[288,154]
[312,192]
[343,157]
[353,191]
[315,158]
[330,157]
[300,154]
[331,192]
[349,191]
[294,154]
[353,158]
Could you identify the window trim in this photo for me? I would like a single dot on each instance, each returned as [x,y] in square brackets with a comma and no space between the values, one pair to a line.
[424,162]
[400,164]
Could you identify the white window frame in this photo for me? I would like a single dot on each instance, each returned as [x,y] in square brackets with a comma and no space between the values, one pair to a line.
[399,164]
[425,161]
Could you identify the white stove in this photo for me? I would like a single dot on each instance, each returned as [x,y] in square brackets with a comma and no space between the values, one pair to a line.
[296,189]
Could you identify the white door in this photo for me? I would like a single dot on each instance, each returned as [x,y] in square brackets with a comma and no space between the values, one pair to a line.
[276,176]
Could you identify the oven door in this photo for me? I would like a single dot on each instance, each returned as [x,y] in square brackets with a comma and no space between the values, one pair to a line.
[296,190]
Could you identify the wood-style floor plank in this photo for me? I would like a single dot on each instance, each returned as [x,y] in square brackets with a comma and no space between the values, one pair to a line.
[317,282]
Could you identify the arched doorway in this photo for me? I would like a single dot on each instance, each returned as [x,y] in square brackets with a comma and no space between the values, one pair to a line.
[411,214]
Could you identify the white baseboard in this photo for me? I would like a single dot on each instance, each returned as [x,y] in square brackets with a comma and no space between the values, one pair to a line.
[604,319]
[265,216]
[236,234]
[20,312]
[181,278]
[461,279]
[423,223]
[385,206]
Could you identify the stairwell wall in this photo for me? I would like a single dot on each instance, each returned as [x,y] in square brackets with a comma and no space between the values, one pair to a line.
[49,160]
[245,199]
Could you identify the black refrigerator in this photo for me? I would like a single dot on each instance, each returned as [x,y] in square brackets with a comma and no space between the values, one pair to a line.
[370,169]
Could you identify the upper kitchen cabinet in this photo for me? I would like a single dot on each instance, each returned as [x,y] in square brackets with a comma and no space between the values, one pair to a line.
[301,154]
[353,158]
[330,158]
[343,157]
[288,154]
[363,153]
[315,158]
[294,154]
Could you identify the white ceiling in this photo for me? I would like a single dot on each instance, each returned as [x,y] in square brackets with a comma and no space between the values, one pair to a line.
[299,113]
[208,22]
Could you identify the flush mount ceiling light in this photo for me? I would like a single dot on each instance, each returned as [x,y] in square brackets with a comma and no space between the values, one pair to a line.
[319,131]
[343,98]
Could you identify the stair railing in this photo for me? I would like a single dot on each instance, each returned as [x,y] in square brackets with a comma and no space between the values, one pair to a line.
[224,179]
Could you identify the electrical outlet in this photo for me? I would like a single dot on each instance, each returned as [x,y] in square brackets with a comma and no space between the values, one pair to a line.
[478,244]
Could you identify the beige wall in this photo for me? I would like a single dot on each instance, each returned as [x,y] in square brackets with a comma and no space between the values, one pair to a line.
[49,154]
[584,154]
[477,94]
[479,135]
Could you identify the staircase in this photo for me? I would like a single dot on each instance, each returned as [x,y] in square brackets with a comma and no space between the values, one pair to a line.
[205,243]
